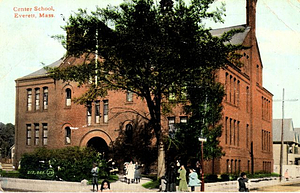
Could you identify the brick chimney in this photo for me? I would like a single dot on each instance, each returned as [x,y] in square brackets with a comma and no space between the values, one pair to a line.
[251,14]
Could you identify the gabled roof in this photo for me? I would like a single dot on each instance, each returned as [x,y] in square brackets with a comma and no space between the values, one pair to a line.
[238,38]
[41,72]
[64,62]
[289,134]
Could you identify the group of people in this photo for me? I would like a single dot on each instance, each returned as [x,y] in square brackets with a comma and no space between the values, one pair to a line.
[132,172]
[105,185]
[173,174]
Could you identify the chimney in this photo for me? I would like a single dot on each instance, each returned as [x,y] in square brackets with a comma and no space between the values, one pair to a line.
[251,14]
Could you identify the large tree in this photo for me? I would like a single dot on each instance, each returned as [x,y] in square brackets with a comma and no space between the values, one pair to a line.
[147,48]
[7,138]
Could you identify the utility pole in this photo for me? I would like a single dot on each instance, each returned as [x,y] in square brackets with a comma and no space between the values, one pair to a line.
[282,139]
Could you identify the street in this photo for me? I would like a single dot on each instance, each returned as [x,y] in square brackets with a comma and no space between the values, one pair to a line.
[280,188]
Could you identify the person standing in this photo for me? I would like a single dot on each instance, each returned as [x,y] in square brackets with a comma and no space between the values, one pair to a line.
[243,183]
[130,173]
[95,172]
[193,179]
[182,180]
[171,178]
[137,173]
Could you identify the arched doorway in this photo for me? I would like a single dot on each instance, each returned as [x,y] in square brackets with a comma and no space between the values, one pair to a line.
[99,144]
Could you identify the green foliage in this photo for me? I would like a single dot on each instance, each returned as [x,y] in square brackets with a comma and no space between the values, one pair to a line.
[69,164]
[205,108]
[7,138]
[154,184]
[146,48]
[9,174]
[133,144]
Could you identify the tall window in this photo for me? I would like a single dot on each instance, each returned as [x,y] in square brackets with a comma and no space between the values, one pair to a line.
[89,112]
[129,96]
[36,134]
[247,136]
[172,129]
[105,111]
[247,99]
[129,133]
[45,134]
[226,130]
[234,91]
[68,97]
[29,99]
[226,86]
[238,133]
[45,98]
[28,134]
[238,93]
[68,135]
[97,111]
[37,99]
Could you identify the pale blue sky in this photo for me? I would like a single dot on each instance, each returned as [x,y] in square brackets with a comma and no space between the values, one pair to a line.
[26,43]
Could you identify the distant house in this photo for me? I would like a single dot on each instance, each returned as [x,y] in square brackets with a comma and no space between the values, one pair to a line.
[291,140]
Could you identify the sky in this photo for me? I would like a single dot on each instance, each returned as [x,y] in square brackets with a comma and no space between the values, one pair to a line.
[26,44]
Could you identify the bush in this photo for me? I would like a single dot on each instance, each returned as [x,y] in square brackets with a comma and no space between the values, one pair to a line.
[211,178]
[9,174]
[225,177]
[68,164]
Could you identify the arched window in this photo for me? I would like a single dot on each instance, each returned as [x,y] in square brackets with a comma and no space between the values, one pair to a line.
[68,97]
[68,135]
[129,132]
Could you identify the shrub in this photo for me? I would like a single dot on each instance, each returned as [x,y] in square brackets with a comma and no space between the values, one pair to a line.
[225,177]
[69,164]
[211,178]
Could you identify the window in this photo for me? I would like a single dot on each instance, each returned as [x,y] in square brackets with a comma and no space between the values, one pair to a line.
[129,96]
[105,111]
[226,86]
[97,111]
[89,112]
[226,129]
[227,166]
[68,97]
[247,136]
[230,131]
[37,99]
[172,129]
[247,99]
[36,134]
[68,135]
[183,119]
[45,98]
[234,132]
[238,133]
[28,134]
[29,99]
[234,91]
[45,134]
[238,93]
[129,133]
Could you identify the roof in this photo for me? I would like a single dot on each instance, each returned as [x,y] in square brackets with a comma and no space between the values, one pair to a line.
[238,38]
[42,72]
[289,133]
[64,62]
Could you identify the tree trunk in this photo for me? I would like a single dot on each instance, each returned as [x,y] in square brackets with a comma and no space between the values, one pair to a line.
[161,160]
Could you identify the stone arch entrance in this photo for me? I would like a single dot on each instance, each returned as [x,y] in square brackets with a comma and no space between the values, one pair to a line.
[98,139]
[98,144]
